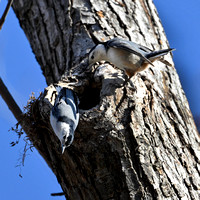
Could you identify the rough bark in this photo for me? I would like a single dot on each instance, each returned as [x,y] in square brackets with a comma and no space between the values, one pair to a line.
[132,142]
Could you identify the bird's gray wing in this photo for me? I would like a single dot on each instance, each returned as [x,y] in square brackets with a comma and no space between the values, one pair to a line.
[72,101]
[65,108]
[143,48]
[61,108]
[62,111]
[128,46]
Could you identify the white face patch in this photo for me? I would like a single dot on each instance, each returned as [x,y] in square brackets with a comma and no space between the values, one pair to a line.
[65,128]
[97,54]
[91,57]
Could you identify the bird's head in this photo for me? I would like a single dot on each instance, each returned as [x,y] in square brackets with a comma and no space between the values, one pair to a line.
[68,137]
[96,54]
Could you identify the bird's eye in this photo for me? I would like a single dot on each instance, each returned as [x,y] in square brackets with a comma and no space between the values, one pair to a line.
[92,56]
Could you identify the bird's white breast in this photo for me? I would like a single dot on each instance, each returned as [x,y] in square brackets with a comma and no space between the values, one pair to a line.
[123,59]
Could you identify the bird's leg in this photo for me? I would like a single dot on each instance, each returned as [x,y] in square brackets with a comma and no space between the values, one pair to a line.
[129,75]
[126,81]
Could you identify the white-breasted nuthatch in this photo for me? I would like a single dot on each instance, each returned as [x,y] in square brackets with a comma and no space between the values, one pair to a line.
[64,116]
[125,55]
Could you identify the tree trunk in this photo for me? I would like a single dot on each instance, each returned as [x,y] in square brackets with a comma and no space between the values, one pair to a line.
[132,142]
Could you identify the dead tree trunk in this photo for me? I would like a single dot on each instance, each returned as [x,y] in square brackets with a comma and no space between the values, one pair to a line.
[133,142]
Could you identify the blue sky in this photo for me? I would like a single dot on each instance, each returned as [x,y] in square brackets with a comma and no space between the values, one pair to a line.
[22,75]
[180,19]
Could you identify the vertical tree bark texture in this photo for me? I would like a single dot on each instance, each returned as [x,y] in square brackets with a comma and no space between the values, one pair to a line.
[132,142]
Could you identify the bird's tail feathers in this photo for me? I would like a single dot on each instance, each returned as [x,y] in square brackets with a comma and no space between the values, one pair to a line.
[157,54]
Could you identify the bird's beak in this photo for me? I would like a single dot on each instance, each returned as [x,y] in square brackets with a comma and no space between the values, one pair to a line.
[63,149]
[90,65]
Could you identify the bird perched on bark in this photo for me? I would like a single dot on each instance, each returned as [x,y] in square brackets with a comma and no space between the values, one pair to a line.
[64,116]
[126,55]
